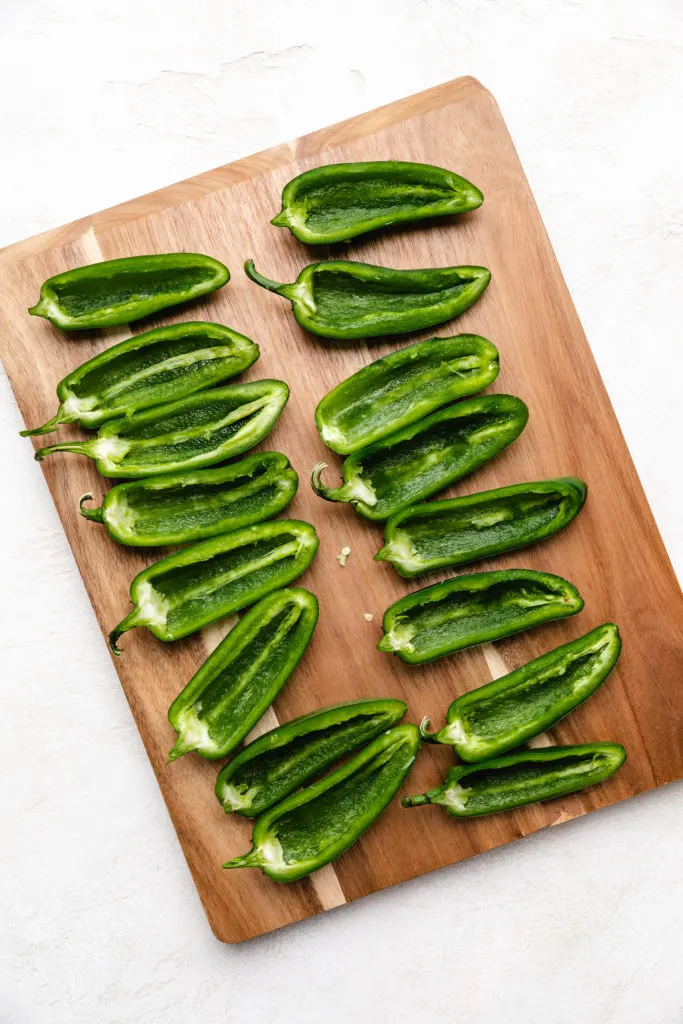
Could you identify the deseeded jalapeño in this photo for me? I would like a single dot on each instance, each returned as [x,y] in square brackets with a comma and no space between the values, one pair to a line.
[276,764]
[474,609]
[197,431]
[119,291]
[524,777]
[507,712]
[149,369]
[454,532]
[317,824]
[402,388]
[179,507]
[339,201]
[345,300]
[186,591]
[240,680]
[427,456]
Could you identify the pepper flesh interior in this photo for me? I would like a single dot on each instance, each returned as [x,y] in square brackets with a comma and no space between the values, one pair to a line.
[78,297]
[470,610]
[464,529]
[174,508]
[402,387]
[278,763]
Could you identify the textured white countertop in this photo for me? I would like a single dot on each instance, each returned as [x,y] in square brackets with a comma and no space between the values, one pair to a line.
[99,919]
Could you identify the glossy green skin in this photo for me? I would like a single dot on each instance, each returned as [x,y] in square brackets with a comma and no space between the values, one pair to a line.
[188,590]
[346,300]
[339,201]
[504,714]
[276,764]
[422,459]
[119,291]
[474,609]
[149,369]
[442,534]
[317,824]
[240,680]
[180,507]
[198,431]
[403,387]
[524,777]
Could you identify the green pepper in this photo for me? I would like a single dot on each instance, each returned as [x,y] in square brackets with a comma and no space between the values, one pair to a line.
[148,369]
[474,609]
[240,680]
[194,587]
[427,456]
[524,777]
[276,764]
[461,530]
[346,300]
[317,824]
[339,201]
[180,507]
[197,431]
[119,291]
[486,722]
[401,388]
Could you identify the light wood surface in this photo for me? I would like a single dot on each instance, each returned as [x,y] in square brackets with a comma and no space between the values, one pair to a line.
[613,551]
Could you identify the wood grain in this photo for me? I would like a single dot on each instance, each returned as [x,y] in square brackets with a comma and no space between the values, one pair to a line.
[613,552]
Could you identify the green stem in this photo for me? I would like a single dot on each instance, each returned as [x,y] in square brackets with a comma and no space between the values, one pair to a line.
[40,308]
[78,447]
[328,493]
[179,748]
[265,282]
[428,737]
[415,801]
[48,427]
[247,860]
[281,220]
[95,515]
[131,620]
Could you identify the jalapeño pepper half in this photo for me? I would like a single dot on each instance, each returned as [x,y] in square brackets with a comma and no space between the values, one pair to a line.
[276,764]
[197,431]
[461,530]
[159,366]
[474,609]
[179,507]
[339,201]
[240,680]
[180,594]
[120,291]
[422,459]
[524,777]
[401,388]
[317,824]
[507,712]
[345,300]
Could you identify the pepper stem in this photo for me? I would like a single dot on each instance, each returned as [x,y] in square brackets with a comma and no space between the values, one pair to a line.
[328,493]
[247,860]
[265,282]
[78,447]
[428,737]
[95,515]
[49,426]
[131,620]
[281,220]
[180,747]
[415,801]
[40,308]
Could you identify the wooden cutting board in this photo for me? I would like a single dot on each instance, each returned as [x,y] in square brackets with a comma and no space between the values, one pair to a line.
[613,552]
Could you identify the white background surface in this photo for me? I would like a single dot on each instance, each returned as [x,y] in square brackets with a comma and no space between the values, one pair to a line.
[99,920]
